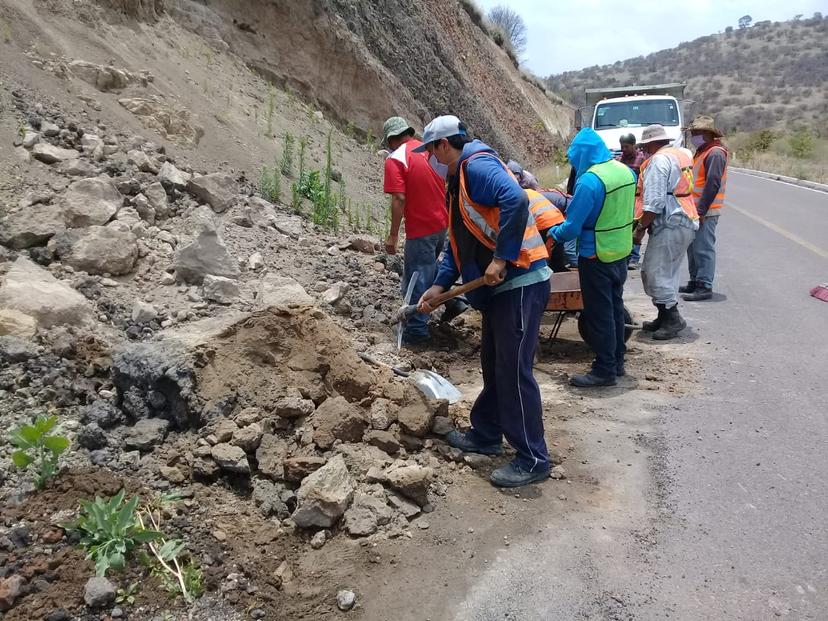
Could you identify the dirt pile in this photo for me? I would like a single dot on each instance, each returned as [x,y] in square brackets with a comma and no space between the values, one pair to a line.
[181,355]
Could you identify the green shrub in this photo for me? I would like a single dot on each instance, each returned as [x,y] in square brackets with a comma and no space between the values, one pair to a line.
[802,143]
[761,141]
[37,449]
[270,184]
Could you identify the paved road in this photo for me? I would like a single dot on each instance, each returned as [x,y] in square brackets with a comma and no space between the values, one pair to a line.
[738,477]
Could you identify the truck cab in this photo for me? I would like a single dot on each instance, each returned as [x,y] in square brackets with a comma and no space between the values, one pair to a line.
[614,112]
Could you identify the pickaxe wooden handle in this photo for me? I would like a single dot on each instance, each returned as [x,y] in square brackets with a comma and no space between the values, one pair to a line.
[407,311]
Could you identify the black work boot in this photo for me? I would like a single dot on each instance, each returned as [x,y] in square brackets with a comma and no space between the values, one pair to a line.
[655,324]
[700,293]
[690,287]
[670,326]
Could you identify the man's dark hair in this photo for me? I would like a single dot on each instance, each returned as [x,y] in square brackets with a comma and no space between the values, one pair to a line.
[459,141]
[627,139]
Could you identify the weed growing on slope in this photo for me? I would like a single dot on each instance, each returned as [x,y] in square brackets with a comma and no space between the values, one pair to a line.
[38,450]
[110,530]
[287,155]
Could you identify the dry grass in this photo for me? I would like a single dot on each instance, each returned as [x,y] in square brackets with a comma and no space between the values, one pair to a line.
[781,164]
[779,158]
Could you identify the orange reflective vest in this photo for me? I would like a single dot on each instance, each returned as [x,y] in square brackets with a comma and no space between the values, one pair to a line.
[483,221]
[700,176]
[545,213]
[683,191]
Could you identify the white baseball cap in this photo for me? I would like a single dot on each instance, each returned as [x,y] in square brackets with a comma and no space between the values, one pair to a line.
[441,127]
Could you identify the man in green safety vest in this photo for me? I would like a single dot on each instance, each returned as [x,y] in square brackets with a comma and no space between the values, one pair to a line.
[600,215]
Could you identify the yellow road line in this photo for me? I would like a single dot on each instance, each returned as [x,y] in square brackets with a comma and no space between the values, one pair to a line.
[783,232]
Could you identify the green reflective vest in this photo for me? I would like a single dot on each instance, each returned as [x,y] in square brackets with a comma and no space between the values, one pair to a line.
[614,227]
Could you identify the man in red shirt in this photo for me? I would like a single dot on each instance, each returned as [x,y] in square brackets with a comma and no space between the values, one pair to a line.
[418,195]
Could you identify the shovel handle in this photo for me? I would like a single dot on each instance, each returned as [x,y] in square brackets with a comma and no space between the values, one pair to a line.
[455,291]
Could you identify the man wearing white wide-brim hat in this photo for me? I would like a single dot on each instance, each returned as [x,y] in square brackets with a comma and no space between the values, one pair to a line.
[670,217]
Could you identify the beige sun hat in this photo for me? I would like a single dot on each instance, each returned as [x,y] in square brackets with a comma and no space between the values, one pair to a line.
[654,133]
[705,123]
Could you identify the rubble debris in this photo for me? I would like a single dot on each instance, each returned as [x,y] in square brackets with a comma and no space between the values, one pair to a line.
[324,496]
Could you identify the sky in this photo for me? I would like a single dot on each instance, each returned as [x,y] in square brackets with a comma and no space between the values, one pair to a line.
[572,34]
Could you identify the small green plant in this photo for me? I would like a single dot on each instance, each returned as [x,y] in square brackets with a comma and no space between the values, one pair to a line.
[270,184]
[127,595]
[110,530]
[370,140]
[37,449]
[303,143]
[310,186]
[271,104]
[350,130]
[802,143]
[7,32]
[287,156]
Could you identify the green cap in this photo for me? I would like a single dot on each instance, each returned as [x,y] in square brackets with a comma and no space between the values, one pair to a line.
[395,126]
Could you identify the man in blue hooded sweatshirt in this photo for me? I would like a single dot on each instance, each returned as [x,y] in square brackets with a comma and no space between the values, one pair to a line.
[600,215]
[493,234]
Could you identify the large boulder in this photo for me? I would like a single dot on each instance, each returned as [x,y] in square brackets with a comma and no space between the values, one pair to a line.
[31,290]
[218,190]
[281,291]
[29,227]
[98,250]
[205,255]
[324,496]
[49,154]
[336,419]
[90,201]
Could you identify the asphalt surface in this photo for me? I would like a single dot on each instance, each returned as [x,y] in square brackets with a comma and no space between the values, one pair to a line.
[728,519]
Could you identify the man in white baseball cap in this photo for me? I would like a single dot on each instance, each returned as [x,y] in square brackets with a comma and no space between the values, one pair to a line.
[493,235]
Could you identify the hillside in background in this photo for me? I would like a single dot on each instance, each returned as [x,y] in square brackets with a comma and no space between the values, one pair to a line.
[769,75]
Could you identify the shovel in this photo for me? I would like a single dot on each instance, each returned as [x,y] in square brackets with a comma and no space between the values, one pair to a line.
[431,384]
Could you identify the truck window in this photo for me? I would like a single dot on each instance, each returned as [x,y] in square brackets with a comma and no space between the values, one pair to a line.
[637,113]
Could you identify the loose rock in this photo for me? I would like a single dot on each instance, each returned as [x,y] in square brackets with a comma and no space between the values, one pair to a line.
[33,291]
[219,289]
[205,255]
[99,593]
[411,481]
[90,202]
[146,433]
[336,419]
[230,458]
[281,291]
[324,496]
[97,250]
[218,190]
[345,600]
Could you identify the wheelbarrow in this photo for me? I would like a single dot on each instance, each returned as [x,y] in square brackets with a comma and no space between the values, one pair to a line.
[565,299]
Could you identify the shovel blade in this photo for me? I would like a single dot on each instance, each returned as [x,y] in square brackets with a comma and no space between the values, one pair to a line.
[435,386]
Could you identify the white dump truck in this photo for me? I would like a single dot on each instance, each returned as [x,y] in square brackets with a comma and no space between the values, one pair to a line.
[613,112]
